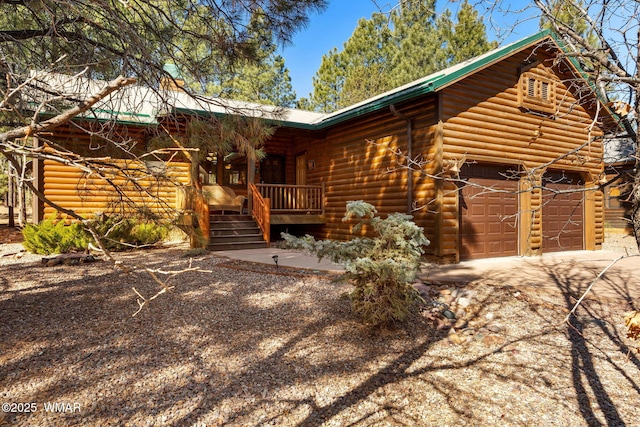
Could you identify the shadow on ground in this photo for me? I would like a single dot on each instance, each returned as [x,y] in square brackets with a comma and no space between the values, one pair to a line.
[233,347]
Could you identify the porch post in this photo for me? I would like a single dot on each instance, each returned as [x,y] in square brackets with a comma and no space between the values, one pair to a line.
[220,168]
[251,177]
[37,209]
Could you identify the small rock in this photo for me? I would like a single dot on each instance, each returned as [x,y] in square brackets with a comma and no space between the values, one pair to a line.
[423,290]
[490,340]
[445,291]
[447,298]
[460,313]
[489,316]
[460,323]
[440,304]
[464,302]
[456,339]
[495,327]
[449,314]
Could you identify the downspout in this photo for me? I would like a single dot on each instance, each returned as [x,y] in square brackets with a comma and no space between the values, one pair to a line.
[401,116]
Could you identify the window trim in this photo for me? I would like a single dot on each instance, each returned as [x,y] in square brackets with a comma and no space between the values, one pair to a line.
[536,93]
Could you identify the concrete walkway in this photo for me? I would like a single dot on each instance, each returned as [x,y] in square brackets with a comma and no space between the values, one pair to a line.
[286,258]
[567,272]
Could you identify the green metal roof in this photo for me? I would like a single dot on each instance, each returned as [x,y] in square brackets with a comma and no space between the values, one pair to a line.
[172,70]
[315,121]
[433,82]
[428,84]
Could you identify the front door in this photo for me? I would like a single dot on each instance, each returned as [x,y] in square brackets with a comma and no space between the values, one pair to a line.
[301,195]
[301,169]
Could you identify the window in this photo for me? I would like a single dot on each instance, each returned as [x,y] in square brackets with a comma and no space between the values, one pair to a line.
[536,93]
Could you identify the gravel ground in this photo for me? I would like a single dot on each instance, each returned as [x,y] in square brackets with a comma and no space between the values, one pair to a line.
[246,345]
[620,241]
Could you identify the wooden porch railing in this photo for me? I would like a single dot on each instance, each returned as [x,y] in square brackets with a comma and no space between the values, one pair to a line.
[261,211]
[294,198]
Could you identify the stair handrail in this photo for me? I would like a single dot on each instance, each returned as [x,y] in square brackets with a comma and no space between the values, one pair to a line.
[261,211]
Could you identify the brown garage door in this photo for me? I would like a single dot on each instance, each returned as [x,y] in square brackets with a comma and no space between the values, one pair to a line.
[562,212]
[488,212]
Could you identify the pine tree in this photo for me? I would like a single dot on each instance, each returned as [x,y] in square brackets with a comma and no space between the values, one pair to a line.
[387,51]
[419,45]
[262,78]
[328,83]
[570,14]
[469,37]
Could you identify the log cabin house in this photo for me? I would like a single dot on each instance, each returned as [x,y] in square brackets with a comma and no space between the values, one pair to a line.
[508,144]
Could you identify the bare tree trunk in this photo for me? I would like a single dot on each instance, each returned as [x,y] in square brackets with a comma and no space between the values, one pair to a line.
[22,206]
[11,196]
[635,214]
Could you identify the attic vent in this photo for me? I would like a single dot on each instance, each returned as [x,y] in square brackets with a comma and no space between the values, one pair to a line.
[536,93]
[531,88]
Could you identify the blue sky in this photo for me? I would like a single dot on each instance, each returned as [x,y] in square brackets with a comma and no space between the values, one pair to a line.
[336,24]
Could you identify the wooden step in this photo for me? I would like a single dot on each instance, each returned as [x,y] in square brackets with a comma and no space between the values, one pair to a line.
[257,237]
[233,232]
[229,218]
[221,225]
[236,246]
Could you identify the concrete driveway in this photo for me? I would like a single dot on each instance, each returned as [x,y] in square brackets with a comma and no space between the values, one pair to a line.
[568,272]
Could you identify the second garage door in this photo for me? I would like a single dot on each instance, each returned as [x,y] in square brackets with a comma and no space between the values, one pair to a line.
[562,212]
[488,212]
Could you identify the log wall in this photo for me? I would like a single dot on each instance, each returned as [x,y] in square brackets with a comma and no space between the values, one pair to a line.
[122,185]
[87,195]
[358,161]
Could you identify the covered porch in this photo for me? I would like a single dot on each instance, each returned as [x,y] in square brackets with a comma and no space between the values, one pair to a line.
[233,188]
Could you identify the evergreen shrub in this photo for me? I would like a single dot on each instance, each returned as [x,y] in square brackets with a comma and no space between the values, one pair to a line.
[53,236]
[382,268]
[118,232]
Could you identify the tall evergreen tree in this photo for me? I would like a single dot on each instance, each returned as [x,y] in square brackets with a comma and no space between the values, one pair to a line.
[328,83]
[418,49]
[570,13]
[262,78]
[387,51]
[469,37]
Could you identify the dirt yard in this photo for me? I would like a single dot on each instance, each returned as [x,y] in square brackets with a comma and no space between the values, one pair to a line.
[245,345]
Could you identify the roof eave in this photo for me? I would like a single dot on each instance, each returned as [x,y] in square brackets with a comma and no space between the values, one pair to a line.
[436,83]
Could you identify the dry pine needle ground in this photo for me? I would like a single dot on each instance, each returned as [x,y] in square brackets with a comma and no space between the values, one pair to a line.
[243,347]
